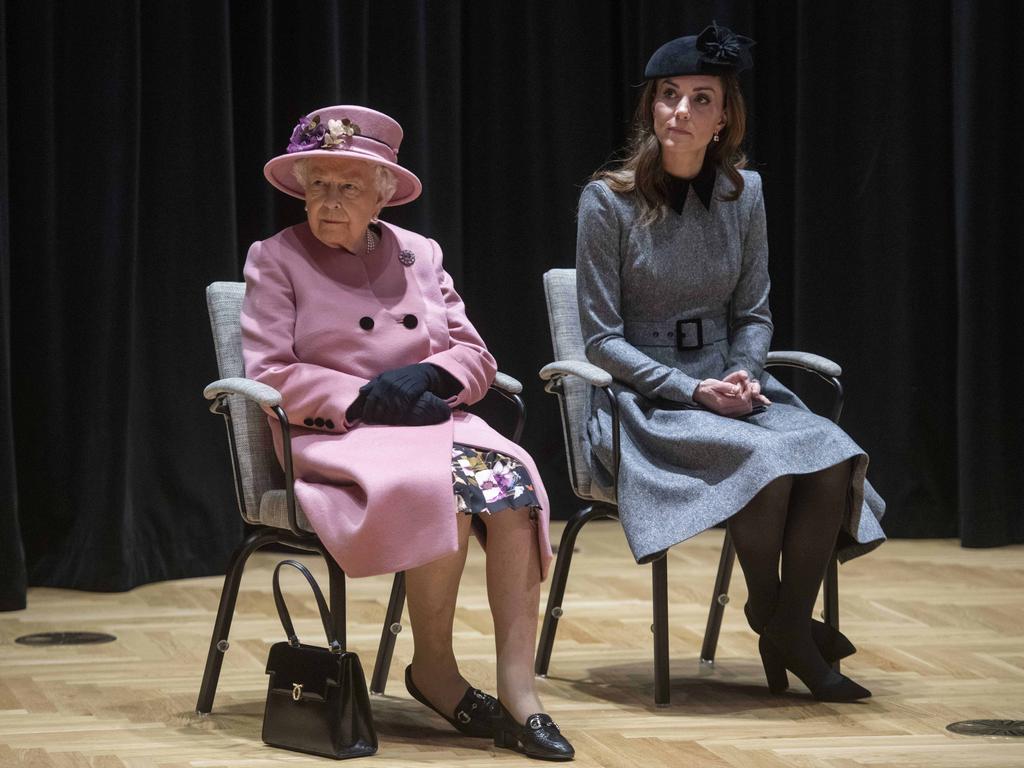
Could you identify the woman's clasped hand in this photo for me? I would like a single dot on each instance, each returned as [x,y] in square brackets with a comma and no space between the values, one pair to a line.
[735,395]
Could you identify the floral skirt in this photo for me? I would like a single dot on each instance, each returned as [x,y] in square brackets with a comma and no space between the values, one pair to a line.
[488,482]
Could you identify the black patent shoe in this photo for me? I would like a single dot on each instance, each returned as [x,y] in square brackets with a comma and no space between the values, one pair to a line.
[831,686]
[475,714]
[832,644]
[538,738]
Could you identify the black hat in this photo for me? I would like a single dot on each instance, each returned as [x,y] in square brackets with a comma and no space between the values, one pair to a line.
[715,51]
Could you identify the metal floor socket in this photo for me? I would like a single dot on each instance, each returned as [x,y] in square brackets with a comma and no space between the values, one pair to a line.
[65,638]
[988,727]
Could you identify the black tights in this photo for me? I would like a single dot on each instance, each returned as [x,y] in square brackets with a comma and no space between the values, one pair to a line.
[795,519]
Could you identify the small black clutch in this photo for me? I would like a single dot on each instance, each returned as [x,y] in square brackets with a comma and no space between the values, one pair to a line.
[316,700]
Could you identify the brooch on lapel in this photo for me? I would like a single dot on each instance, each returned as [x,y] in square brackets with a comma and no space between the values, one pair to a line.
[408,258]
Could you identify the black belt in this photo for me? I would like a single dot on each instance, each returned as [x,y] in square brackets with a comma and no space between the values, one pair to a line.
[685,334]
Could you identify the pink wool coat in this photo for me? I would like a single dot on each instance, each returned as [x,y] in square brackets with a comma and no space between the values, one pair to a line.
[317,324]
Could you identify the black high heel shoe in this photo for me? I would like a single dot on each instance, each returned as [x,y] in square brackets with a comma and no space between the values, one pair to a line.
[832,686]
[475,714]
[538,738]
[832,644]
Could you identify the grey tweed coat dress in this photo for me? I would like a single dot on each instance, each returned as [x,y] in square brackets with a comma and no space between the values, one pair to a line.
[684,468]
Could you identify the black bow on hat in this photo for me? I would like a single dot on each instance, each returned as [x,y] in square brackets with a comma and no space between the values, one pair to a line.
[715,51]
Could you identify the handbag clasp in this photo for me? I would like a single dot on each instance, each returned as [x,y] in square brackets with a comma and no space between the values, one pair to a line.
[296,691]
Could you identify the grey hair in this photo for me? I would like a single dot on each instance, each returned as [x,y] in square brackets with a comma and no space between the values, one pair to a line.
[384,179]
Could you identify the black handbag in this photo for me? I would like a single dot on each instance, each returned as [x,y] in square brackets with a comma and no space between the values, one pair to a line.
[316,700]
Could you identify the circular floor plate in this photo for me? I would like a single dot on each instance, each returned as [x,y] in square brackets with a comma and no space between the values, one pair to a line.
[66,638]
[988,727]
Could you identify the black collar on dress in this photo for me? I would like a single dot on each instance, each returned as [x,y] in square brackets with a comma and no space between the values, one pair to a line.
[703,185]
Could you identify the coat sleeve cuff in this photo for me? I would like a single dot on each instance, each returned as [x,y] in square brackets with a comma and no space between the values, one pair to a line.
[469,371]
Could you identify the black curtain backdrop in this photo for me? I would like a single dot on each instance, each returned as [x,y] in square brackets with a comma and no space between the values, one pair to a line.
[132,140]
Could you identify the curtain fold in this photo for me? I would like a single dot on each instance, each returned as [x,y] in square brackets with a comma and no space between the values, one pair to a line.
[988,195]
[872,222]
[131,176]
[119,218]
[12,554]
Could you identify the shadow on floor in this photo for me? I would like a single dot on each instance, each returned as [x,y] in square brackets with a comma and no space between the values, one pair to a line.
[726,689]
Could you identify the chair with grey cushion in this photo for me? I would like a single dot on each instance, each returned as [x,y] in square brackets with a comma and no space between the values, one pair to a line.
[265,492]
[571,378]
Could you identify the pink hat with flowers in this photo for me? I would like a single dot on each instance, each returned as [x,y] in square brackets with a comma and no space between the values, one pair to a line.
[344,131]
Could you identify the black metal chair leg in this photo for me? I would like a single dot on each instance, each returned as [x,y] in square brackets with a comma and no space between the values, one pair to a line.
[388,635]
[226,611]
[558,579]
[831,598]
[719,599]
[659,584]
[336,580]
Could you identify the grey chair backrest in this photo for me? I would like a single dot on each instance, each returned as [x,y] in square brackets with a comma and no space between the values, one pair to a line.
[258,470]
[567,342]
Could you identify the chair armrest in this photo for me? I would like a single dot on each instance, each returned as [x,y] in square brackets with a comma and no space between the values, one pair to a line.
[507,383]
[553,373]
[268,397]
[261,393]
[586,371]
[809,362]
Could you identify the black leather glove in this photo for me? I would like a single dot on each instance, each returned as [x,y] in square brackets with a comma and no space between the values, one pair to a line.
[355,411]
[391,395]
[428,409]
[398,391]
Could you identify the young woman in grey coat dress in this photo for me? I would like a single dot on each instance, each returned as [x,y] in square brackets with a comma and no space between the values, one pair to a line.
[673,289]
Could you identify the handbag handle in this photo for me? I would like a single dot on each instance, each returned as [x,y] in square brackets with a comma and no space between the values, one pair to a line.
[282,609]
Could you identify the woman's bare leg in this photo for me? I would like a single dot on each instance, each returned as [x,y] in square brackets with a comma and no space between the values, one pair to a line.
[431,590]
[513,590]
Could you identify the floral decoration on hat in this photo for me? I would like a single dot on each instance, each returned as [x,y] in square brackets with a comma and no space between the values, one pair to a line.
[311,133]
[339,132]
[721,46]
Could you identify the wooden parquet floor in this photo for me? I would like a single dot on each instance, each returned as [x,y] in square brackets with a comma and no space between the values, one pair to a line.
[939,628]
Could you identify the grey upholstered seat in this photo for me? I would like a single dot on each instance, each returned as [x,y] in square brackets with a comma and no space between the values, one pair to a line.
[262,497]
[567,342]
[274,511]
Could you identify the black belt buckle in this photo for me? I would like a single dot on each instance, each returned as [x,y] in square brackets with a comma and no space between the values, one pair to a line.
[680,335]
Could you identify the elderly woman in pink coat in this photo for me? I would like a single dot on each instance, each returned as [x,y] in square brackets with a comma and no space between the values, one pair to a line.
[358,326]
